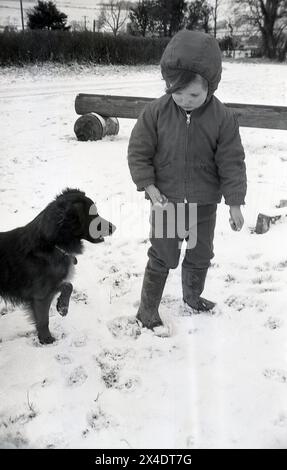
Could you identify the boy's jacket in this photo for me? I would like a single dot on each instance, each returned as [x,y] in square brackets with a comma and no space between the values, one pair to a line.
[197,161]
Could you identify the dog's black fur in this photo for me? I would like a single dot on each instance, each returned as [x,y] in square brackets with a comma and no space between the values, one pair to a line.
[36,260]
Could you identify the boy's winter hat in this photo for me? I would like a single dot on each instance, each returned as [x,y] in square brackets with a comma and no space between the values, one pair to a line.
[194,51]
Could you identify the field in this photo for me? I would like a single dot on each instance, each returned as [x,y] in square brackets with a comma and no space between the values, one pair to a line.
[218,381]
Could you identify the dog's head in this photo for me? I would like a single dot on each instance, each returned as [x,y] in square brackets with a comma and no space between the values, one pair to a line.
[73,217]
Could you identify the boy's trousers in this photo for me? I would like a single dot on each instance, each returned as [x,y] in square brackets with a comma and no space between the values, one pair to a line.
[170,225]
[192,222]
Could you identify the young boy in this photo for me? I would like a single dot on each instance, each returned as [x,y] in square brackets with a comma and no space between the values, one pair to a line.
[186,149]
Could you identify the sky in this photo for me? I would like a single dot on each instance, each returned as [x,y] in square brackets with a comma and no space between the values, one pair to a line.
[75,9]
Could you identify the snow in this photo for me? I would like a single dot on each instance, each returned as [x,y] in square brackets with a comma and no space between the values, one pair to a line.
[219,381]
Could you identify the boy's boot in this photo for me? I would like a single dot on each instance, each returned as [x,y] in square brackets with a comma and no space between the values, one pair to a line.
[152,289]
[193,281]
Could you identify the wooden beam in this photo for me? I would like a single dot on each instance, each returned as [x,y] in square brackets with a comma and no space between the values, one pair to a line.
[249,115]
[113,106]
[257,115]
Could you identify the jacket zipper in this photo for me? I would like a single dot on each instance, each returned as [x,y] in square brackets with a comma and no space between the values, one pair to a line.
[188,117]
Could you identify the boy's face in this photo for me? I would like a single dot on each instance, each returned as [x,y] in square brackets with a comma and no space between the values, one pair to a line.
[192,96]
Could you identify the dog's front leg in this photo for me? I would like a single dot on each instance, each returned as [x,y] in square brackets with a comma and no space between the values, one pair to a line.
[66,289]
[40,309]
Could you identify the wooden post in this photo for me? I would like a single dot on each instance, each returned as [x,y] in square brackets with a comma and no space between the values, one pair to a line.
[264,222]
[22,15]
[282,203]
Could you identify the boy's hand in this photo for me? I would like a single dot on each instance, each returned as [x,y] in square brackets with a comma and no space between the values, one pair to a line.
[236,218]
[155,195]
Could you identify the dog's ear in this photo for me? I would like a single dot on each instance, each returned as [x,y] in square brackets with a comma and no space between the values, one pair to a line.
[75,217]
[63,219]
[51,221]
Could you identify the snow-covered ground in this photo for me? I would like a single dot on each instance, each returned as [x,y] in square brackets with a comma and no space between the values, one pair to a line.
[218,381]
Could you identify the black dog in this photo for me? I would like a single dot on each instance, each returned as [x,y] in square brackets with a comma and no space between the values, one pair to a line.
[35,260]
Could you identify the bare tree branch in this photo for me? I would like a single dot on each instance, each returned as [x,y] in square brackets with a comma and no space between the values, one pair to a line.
[114,14]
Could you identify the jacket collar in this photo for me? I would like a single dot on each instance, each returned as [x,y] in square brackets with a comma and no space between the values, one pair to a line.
[195,111]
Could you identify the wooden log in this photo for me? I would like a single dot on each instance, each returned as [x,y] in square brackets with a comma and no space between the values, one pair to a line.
[261,116]
[107,105]
[249,115]
[92,126]
[264,221]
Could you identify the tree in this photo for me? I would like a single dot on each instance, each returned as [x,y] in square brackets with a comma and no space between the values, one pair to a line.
[214,10]
[230,25]
[198,15]
[228,44]
[206,14]
[45,15]
[142,17]
[100,22]
[169,16]
[270,17]
[77,26]
[114,15]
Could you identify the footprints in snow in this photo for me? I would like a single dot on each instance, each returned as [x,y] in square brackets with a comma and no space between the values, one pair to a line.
[97,420]
[240,302]
[111,363]
[77,377]
[273,323]
[279,375]
[79,296]
[263,283]
[264,280]
[63,359]
[79,341]
[121,327]
[120,282]
[11,435]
